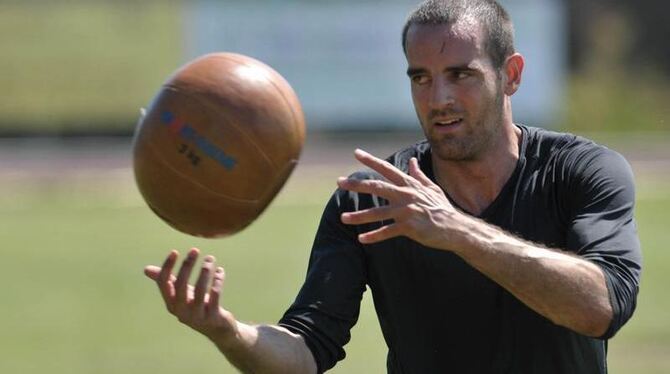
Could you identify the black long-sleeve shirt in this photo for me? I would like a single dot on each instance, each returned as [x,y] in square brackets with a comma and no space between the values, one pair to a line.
[440,315]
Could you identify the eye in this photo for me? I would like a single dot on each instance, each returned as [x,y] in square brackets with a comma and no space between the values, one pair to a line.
[460,75]
[420,79]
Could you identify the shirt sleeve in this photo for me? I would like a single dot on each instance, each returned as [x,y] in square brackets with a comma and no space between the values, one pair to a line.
[328,303]
[603,230]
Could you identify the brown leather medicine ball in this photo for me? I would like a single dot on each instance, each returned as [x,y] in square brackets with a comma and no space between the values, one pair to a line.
[217,144]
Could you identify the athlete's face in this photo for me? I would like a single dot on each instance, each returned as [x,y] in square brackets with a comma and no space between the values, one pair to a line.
[457,92]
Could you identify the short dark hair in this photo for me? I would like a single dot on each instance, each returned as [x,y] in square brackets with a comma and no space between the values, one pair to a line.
[495,19]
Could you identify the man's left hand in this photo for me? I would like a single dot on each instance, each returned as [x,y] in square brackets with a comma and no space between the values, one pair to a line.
[418,207]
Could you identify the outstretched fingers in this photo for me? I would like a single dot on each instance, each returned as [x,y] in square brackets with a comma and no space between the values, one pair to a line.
[371,215]
[396,180]
[386,169]
[416,173]
[168,265]
[212,307]
[381,234]
[152,272]
[181,284]
[202,284]
[196,305]
[164,278]
[380,188]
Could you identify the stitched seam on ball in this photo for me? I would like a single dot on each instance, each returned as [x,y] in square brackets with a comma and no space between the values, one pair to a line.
[287,104]
[240,129]
[266,190]
[279,91]
[180,174]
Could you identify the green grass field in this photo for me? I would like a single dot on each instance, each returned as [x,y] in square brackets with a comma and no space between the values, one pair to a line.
[76,301]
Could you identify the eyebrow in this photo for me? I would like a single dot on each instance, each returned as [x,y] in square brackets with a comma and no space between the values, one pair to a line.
[414,71]
[411,71]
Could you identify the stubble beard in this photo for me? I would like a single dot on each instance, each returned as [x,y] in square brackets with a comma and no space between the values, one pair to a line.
[476,138]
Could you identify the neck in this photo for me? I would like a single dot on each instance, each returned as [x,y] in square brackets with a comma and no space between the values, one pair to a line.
[475,184]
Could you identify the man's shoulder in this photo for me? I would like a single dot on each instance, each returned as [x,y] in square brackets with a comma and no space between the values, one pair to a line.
[544,144]
[571,154]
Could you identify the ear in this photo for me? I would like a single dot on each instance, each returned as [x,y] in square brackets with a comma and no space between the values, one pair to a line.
[513,68]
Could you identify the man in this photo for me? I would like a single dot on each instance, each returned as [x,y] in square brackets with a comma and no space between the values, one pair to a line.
[489,248]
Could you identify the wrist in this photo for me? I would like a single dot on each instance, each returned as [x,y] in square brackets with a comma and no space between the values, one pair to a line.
[239,337]
[474,236]
[464,235]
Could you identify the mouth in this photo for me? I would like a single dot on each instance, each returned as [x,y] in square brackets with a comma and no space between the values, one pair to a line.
[448,123]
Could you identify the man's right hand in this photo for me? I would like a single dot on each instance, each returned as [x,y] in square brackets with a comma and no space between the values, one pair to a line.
[195,306]
[252,349]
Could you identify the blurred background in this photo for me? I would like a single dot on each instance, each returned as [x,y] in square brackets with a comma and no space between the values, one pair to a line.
[76,233]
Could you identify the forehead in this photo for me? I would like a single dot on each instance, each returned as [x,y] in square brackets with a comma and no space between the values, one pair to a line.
[459,43]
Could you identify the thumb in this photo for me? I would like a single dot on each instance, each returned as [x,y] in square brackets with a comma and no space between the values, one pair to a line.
[152,272]
[416,173]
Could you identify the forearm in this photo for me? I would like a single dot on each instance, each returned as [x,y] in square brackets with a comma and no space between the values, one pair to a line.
[566,289]
[267,349]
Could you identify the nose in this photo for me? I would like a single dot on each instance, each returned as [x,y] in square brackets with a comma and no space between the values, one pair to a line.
[441,95]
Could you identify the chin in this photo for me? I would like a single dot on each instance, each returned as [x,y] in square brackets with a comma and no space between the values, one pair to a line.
[453,150]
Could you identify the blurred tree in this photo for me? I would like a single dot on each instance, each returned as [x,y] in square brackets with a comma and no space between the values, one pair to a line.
[651,17]
[620,66]
[649,32]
